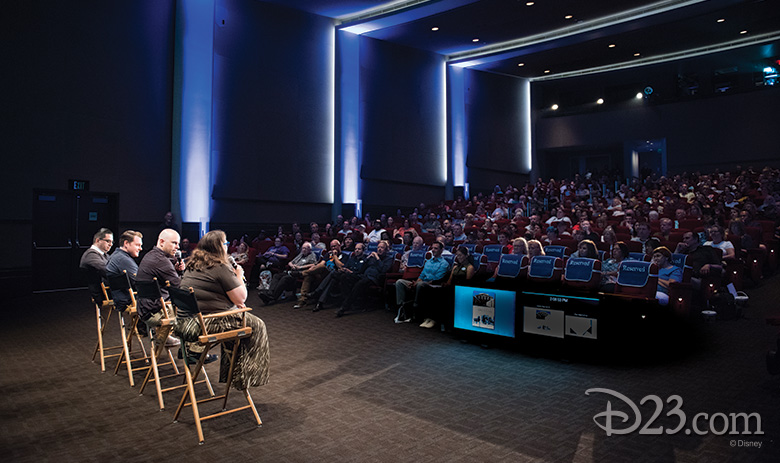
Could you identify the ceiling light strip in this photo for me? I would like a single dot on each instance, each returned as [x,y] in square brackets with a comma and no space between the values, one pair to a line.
[665,58]
[585,26]
[385,8]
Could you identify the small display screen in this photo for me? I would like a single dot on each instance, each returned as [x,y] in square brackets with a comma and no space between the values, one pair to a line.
[485,310]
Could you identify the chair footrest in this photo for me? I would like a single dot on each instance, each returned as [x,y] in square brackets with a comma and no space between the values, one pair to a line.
[224,412]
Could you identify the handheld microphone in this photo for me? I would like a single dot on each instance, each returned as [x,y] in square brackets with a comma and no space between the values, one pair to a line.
[235,265]
[232,261]
[177,255]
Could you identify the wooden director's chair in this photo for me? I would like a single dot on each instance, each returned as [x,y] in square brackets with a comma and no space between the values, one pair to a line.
[187,306]
[103,305]
[128,331]
[158,337]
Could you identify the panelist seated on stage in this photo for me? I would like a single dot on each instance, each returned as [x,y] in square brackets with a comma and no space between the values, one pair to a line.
[94,261]
[123,259]
[160,263]
[218,287]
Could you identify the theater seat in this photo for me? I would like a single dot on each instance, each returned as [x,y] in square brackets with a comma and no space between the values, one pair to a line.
[637,279]
[582,274]
[493,253]
[512,270]
[556,250]
[545,269]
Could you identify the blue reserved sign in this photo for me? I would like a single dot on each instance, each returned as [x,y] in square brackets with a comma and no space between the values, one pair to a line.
[634,273]
[579,269]
[542,267]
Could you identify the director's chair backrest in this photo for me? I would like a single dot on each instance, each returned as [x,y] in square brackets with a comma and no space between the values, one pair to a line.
[151,290]
[122,283]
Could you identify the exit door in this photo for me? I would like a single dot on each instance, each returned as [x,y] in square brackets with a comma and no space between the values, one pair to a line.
[63,225]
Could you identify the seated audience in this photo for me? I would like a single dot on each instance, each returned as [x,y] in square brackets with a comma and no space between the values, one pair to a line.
[285,281]
[373,269]
[330,285]
[329,262]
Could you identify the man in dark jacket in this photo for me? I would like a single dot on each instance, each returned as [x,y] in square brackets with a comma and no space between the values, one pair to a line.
[373,269]
[93,261]
[160,263]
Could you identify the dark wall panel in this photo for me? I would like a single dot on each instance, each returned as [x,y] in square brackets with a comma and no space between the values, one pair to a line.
[494,125]
[701,135]
[401,118]
[87,95]
[272,119]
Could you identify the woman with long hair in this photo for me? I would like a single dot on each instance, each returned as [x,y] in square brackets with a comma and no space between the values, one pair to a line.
[220,286]
[609,268]
[587,248]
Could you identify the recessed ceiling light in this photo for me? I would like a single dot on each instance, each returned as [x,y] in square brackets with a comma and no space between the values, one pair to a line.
[475,40]
[529,3]
[546,71]
[434,28]
[568,16]
[521,64]
[600,101]
[612,45]
[554,107]
[743,32]
[636,54]
[721,20]
[639,96]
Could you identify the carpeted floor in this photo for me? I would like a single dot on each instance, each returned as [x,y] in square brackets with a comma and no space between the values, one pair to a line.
[363,389]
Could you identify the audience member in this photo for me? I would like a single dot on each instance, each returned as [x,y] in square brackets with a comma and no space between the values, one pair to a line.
[642,230]
[329,262]
[434,271]
[717,241]
[667,273]
[285,281]
[332,281]
[374,267]
[273,256]
[609,268]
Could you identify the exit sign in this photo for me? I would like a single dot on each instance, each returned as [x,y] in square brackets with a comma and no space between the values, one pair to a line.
[79,185]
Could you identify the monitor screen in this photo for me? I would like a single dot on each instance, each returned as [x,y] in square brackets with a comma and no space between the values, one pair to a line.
[485,310]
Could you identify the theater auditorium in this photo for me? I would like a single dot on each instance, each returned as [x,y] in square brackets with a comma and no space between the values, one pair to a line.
[390,231]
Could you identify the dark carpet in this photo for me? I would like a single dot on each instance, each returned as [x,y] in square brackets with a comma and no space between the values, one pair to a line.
[362,389]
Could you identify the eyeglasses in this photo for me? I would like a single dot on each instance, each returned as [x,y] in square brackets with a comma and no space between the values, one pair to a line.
[107,241]
[226,243]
